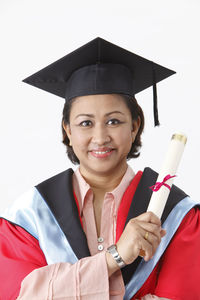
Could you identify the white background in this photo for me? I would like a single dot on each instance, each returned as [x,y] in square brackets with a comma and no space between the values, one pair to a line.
[34,33]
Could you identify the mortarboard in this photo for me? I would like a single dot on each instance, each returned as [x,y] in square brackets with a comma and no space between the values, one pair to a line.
[100,67]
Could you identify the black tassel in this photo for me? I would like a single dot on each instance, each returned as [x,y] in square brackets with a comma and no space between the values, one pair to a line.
[155,104]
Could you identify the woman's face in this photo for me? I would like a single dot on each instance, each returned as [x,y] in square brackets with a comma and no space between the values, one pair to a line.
[101,132]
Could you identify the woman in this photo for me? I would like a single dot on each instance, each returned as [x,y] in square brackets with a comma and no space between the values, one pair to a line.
[82,234]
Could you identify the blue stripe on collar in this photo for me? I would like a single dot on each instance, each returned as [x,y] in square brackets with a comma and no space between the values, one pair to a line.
[31,212]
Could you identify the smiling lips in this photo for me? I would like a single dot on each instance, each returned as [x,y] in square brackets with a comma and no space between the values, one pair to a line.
[102,153]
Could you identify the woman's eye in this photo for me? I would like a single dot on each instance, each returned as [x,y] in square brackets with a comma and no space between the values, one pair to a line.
[85,123]
[113,122]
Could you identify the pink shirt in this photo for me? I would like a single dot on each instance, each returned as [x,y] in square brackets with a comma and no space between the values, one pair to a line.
[108,222]
[109,211]
[88,278]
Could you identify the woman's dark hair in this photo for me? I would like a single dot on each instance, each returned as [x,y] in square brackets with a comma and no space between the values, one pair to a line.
[136,112]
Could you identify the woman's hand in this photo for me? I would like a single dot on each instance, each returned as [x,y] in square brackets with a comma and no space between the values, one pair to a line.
[133,238]
[141,233]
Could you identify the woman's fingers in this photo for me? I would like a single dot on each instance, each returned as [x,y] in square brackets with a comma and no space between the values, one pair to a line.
[142,233]
[149,217]
[151,223]
[148,248]
[153,240]
[153,237]
[148,227]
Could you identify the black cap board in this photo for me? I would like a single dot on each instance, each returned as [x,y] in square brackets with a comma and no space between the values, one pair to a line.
[100,67]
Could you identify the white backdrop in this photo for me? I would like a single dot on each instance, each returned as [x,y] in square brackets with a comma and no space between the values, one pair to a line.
[34,33]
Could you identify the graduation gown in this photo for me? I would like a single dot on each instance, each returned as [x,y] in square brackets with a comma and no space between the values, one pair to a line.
[43,227]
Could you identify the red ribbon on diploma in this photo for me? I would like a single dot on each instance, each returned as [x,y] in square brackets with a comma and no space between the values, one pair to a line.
[158,185]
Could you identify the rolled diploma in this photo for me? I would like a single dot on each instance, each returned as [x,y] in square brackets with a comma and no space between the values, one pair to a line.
[169,167]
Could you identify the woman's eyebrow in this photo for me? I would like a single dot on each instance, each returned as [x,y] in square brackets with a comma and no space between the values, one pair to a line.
[114,112]
[84,115]
[92,116]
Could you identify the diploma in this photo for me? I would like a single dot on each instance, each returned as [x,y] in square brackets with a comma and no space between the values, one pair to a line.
[166,175]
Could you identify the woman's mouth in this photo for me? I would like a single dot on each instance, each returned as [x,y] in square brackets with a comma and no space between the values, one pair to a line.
[101,153]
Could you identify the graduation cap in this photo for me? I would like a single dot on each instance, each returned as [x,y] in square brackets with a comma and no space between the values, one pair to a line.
[100,67]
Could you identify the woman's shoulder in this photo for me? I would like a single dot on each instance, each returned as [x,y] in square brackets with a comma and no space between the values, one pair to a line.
[67,174]
[35,200]
[23,210]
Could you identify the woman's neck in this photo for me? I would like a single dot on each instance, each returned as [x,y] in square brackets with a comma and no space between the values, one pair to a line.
[104,182]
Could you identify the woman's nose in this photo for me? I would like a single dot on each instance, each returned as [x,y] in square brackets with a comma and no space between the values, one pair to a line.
[100,135]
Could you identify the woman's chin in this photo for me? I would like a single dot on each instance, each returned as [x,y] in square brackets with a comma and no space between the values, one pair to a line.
[103,167]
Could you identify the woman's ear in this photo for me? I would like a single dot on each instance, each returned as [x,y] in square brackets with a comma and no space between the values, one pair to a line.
[136,127]
[67,130]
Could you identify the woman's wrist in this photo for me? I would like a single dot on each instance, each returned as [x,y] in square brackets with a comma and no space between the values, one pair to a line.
[111,264]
